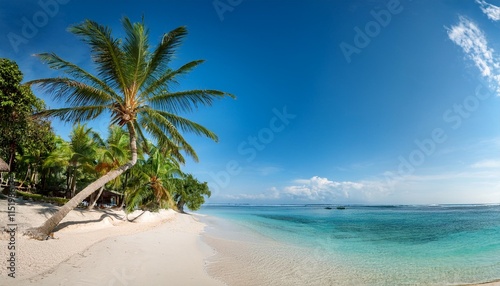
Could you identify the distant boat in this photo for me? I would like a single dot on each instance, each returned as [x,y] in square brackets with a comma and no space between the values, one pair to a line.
[328,208]
[341,208]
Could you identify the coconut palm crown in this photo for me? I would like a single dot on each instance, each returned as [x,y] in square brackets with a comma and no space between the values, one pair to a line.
[133,83]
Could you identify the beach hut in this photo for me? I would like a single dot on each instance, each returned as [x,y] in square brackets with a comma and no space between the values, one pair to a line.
[4,167]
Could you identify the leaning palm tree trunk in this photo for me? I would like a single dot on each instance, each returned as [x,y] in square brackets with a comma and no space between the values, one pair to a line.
[95,199]
[42,232]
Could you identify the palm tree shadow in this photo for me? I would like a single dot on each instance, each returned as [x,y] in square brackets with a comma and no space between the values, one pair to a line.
[45,209]
[106,214]
[132,220]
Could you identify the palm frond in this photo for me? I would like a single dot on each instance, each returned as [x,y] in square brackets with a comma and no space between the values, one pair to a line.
[164,52]
[73,92]
[184,101]
[57,63]
[181,123]
[172,150]
[96,137]
[117,151]
[75,114]
[136,48]
[162,131]
[135,197]
[161,84]
[164,125]
[106,52]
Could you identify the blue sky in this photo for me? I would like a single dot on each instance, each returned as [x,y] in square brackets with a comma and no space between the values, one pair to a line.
[375,102]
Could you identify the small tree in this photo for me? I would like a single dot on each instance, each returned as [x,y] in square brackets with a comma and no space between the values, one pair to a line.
[191,194]
[39,141]
[17,104]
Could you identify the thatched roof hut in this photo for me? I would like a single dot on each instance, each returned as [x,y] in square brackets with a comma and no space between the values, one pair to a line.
[4,167]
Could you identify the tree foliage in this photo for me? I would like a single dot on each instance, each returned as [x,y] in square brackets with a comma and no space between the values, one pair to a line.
[191,193]
[153,182]
[20,132]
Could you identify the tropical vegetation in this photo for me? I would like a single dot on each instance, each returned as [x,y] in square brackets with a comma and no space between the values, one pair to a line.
[21,133]
[134,84]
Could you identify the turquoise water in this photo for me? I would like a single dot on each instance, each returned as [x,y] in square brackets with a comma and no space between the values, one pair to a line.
[387,245]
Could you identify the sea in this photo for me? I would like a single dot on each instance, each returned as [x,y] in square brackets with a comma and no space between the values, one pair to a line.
[366,245]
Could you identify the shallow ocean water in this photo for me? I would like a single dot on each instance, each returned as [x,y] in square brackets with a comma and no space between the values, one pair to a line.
[377,245]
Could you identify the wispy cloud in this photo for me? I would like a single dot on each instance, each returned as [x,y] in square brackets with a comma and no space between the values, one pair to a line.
[492,11]
[450,177]
[268,170]
[472,40]
[486,164]
[271,194]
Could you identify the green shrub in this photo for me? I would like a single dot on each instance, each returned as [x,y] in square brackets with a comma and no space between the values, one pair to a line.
[40,198]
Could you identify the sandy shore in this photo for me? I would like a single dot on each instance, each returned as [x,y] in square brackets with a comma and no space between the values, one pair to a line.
[246,257]
[103,248]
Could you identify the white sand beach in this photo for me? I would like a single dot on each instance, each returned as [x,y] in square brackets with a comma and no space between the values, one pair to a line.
[103,248]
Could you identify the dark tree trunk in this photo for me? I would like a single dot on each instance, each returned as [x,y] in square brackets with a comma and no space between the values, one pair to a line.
[180,205]
[43,180]
[95,199]
[127,175]
[12,158]
[73,182]
[68,176]
[73,187]
[28,171]
[123,202]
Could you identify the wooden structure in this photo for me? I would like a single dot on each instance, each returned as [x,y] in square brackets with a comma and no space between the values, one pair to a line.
[4,167]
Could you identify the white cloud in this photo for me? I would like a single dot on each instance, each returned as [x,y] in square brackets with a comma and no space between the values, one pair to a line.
[486,164]
[317,188]
[492,11]
[473,41]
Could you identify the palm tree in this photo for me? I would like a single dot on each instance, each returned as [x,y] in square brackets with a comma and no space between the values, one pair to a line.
[58,161]
[77,156]
[113,154]
[154,181]
[31,162]
[84,143]
[134,85]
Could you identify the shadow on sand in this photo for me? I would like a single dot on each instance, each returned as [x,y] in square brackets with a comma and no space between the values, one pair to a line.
[83,222]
